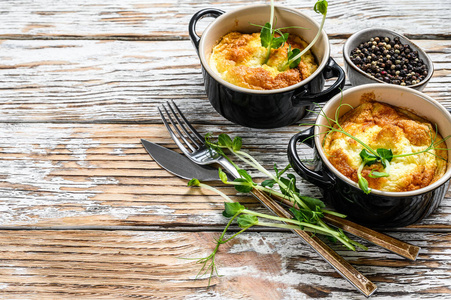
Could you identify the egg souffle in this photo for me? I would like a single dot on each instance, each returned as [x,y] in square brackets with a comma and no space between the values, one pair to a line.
[380,125]
[238,58]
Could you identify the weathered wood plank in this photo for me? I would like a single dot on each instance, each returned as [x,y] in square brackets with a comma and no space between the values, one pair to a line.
[100,175]
[125,264]
[80,83]
[138,19]
[117,81]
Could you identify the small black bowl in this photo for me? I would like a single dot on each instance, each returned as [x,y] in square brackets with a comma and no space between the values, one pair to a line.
[378,209]
[264,108]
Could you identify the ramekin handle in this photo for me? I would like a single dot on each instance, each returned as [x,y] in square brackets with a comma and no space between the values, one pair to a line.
[320,178]
[207,12]
[332,69]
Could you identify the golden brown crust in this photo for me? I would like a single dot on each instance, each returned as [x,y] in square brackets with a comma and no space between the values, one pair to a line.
[380,125]
[261,79]
[238,58]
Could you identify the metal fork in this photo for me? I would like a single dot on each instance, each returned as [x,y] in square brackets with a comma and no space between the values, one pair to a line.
[190,141]
[193,146]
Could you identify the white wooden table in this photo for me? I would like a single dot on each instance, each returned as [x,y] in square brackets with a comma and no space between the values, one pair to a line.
[87,214]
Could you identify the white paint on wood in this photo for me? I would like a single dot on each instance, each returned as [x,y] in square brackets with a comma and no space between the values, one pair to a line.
[169,19]
[76,100]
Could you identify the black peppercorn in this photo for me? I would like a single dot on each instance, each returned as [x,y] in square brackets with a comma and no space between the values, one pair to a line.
[390,61]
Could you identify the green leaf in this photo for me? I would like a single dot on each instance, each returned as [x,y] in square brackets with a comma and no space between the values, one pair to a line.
[232,208]
[245,175]
[297,214]
[292,177]
[385,154]
[363,184]
[276,170]
[224,140]
[237,144]
[243,188]
[292,54]
[279,41]
[293,182]
[367,157]
[306,215]
[320,7]
[312,203]
[268,183]
[246,221]
[375,174]
[265,35]
[223,176]
[194,182]
[280,173]
[290,182]
[319,211]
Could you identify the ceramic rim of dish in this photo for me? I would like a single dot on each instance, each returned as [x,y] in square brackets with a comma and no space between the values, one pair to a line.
[218,78]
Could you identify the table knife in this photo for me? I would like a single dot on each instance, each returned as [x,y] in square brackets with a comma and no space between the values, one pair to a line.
[178,164]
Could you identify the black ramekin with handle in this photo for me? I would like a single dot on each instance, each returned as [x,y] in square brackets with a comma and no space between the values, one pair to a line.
[264,108]
[377,209]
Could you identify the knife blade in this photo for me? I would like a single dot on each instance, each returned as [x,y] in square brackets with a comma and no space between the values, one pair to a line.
[179,164]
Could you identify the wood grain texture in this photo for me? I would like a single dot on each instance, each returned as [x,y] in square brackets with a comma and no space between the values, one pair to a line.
[85,213]
[100,175]
[118,81]
[138,19]
[148,264]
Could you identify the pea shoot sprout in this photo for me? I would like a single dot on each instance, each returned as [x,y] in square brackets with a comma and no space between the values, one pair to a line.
[307,211]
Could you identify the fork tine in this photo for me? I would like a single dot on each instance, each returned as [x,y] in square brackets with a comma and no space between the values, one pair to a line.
[194,131]
[184,122]
[172,133]
[177,125]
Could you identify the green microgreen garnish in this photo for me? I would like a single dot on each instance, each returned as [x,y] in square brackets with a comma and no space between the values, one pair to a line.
[294,57]
[384,156]
[368,155]
[270,41]
[268,38]
[307,211]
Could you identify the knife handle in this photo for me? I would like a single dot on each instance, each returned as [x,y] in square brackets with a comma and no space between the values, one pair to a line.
[404,249]
[396,246]
[345,269]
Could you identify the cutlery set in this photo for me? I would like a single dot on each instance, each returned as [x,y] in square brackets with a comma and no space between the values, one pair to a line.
[196,161]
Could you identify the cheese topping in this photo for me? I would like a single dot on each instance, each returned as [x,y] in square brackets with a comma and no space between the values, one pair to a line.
[380,125]
[238,58]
